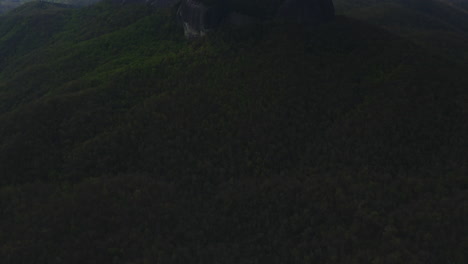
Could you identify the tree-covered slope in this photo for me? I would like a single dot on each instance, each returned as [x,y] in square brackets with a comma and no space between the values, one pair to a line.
[8,5]
[122,142]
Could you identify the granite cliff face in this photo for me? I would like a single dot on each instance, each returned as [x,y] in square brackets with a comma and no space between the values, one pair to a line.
[199,18]
[164,3]
[309,12]
[155,3]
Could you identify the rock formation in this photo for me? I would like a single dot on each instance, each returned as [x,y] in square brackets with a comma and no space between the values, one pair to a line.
[199,18]
[155,3]
[163,3]
[309,12]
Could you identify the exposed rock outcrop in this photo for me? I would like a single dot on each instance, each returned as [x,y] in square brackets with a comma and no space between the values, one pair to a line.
[163,3]
[155,3]
[199,18]
[309,12]
[238,19]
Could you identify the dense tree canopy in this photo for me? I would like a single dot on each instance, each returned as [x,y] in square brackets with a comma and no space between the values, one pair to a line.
[123,142]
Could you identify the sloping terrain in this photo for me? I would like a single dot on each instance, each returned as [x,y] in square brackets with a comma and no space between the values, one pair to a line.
[8,5]
[122,142]
[441,26]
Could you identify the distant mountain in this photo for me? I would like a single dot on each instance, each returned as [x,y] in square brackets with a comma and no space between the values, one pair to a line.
[427,12]
[463,4]
[436,24]
[7,5]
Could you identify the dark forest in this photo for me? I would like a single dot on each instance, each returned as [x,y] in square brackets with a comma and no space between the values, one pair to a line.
[269,141]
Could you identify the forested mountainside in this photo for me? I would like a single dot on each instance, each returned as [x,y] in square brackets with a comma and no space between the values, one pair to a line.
[123,142]
[8,5]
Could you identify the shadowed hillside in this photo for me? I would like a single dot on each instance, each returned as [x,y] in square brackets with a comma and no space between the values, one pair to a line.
[8,5]
[439,25]
[123,142]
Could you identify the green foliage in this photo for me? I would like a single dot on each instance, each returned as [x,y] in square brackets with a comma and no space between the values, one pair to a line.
[122,142]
